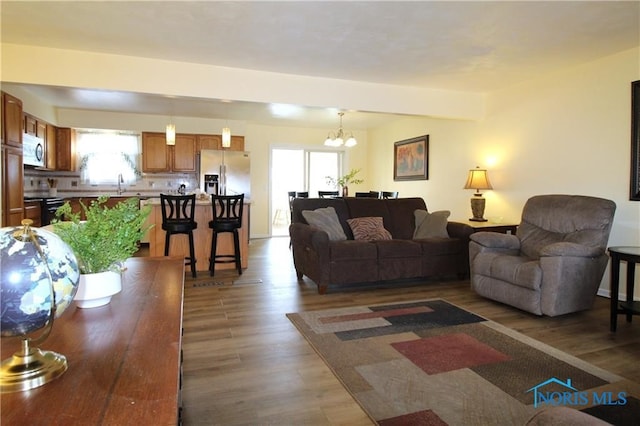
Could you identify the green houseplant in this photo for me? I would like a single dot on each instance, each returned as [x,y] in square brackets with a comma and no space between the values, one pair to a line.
[102,242]
[344,181]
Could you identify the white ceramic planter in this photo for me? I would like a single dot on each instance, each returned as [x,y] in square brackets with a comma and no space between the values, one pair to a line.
[96,289]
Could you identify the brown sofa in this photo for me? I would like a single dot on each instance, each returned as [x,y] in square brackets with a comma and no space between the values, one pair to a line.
[336,263]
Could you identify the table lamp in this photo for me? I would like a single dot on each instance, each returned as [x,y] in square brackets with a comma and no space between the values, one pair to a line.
[478,180]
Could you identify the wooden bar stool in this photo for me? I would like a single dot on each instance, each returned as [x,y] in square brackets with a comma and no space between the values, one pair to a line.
[178,217]
[227,217]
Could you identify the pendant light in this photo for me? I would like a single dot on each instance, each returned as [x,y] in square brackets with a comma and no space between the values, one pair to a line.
[226,137]
[171,133]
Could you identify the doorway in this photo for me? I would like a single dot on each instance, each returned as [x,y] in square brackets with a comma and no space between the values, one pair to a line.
[298,170]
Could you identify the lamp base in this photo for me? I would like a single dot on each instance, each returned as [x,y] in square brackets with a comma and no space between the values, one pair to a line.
[478,219]
[23,372]
[477,208]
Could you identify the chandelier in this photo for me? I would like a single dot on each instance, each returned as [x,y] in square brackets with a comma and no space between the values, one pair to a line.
[338,138]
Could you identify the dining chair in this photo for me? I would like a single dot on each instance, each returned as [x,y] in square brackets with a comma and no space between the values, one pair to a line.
[328,194]
[365,195]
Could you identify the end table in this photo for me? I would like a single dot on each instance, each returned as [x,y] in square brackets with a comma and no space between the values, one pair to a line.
[503,228]
[632,256]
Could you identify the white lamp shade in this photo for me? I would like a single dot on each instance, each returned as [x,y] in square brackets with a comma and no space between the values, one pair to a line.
[171,134]
[478,179]
[226,137]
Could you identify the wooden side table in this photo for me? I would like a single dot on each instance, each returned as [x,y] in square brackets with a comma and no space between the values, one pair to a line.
[503,228]
[631,255]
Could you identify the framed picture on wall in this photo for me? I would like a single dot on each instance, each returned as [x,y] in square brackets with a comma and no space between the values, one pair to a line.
[634,193]
[411,159]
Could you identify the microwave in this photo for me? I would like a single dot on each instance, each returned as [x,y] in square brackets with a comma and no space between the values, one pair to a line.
[32,150]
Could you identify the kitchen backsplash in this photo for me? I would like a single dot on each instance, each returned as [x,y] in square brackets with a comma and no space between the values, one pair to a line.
[69,184]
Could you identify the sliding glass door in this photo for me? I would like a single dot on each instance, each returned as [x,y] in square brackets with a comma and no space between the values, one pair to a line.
[298,170]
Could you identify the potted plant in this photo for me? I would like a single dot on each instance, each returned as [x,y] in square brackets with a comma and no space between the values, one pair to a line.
[102,242]
[344,181]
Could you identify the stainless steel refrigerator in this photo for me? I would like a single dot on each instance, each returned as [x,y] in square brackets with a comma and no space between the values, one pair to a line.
[230,170]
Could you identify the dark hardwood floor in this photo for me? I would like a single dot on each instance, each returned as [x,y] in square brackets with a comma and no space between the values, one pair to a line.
[246,364]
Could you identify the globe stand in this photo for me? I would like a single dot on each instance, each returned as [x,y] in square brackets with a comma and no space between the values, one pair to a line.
[29,368]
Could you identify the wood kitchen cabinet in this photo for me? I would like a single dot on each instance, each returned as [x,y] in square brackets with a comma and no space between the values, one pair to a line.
[215,142]
[65,149]
[158,157]
[184,154]
[32,210]
[11,120]
[209,142]
[12,186]
[50,149]
[12,167]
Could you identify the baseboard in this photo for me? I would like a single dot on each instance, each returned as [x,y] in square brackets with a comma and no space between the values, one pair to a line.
[607,293]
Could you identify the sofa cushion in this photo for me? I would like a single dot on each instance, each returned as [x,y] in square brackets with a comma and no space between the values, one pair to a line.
[368,229]
[398,248]
[298,205]
[441,246]
[352,250]
[431,224]
[327,220]
[402,223]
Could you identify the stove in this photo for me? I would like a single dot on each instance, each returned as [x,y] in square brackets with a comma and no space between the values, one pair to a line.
[48,207]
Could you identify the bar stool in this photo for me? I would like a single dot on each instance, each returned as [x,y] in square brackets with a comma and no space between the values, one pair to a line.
[178,217]
[227,217]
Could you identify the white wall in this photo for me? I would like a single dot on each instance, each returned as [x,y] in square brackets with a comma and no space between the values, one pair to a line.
[568,132]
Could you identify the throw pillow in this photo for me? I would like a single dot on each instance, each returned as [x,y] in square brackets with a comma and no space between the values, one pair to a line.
[429,225]
[368,229]
[327,220]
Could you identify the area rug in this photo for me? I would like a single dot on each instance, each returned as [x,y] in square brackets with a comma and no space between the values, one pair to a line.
[431,363]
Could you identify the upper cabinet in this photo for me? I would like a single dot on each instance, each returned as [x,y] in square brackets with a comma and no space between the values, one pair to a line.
[65,149]
[184,154]
[155,153]
[215,142]
[50,142]
[209,142]
[11,120]
[158,157]
[12,170]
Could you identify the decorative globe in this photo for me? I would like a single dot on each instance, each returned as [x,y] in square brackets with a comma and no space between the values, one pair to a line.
[25,277]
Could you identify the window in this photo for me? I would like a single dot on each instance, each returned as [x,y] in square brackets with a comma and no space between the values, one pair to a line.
[104,155]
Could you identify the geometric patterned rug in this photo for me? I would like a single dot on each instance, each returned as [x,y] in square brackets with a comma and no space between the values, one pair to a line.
[429,362]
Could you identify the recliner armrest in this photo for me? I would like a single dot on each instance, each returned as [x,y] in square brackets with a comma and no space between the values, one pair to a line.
[570,249]
[496,240]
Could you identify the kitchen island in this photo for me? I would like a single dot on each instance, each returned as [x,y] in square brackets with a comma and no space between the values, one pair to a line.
[202,236]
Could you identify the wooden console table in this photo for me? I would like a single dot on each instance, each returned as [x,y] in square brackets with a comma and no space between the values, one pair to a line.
[124,358]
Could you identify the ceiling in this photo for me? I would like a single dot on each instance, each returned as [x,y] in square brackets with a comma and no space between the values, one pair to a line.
[471,46]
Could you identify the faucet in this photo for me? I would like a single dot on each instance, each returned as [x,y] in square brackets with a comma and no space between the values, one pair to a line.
[120,182]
